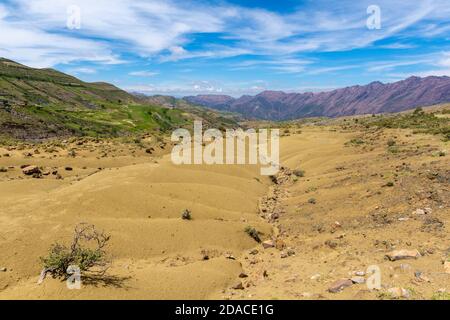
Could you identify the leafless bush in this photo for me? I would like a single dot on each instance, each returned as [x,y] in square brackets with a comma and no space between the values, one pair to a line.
[86,252]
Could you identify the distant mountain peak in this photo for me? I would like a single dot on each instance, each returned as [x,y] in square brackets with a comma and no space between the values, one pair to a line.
[375,97]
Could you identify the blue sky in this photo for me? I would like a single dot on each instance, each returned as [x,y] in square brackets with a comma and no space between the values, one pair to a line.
[230,47]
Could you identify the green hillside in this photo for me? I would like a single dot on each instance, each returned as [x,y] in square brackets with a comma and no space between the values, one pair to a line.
[44,103]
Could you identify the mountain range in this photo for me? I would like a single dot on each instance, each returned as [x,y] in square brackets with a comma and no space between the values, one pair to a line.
[375,97]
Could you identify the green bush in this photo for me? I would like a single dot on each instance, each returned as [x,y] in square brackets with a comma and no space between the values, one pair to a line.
[252,232]
[391,142]
[299,173]
[85,252]
[186,215]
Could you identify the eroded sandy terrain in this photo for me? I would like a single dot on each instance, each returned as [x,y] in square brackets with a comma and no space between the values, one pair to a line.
[353,205]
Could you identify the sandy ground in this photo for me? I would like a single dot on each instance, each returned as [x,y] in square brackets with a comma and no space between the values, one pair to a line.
[138,198]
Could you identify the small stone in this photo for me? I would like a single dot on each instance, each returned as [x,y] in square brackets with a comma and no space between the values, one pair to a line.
[419,212]
[254,251]
[243,275]
[230,256]
[68,168]
[403,254]
[238,286]
[339,285]
[397,293]
[428,210]
[359,273]
[358,280]
[315,276]
[30,170]
[284,255]
[3,269]
[268,244]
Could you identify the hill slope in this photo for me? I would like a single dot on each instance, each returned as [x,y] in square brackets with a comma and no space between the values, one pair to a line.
[375,97]
[43,103]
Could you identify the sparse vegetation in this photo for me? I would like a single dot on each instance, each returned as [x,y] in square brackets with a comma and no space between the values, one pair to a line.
[253,233]
[86,252]
[355,142]
[186,215]
[299,173]
[391,142]
[419,121]
[312,201]
[441,296]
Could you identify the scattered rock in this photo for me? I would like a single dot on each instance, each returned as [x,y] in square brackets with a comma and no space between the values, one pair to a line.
[315,276]
[238,286]
[3,269]
[268,244]
[397,293]
[423,211]
[358,280]
[68,168]
[403,254]
[29,170]
[243,275]
[339,285]
[229,256]
[359,273]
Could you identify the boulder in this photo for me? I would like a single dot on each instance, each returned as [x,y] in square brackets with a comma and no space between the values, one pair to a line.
[29,170]
[403,254]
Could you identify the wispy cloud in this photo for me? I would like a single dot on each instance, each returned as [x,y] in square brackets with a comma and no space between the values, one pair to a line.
[167,28]
[81,70]
[143,73]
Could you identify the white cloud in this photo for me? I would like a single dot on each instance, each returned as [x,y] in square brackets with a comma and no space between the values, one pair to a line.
[34,32]
[82,70]
[143,73]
